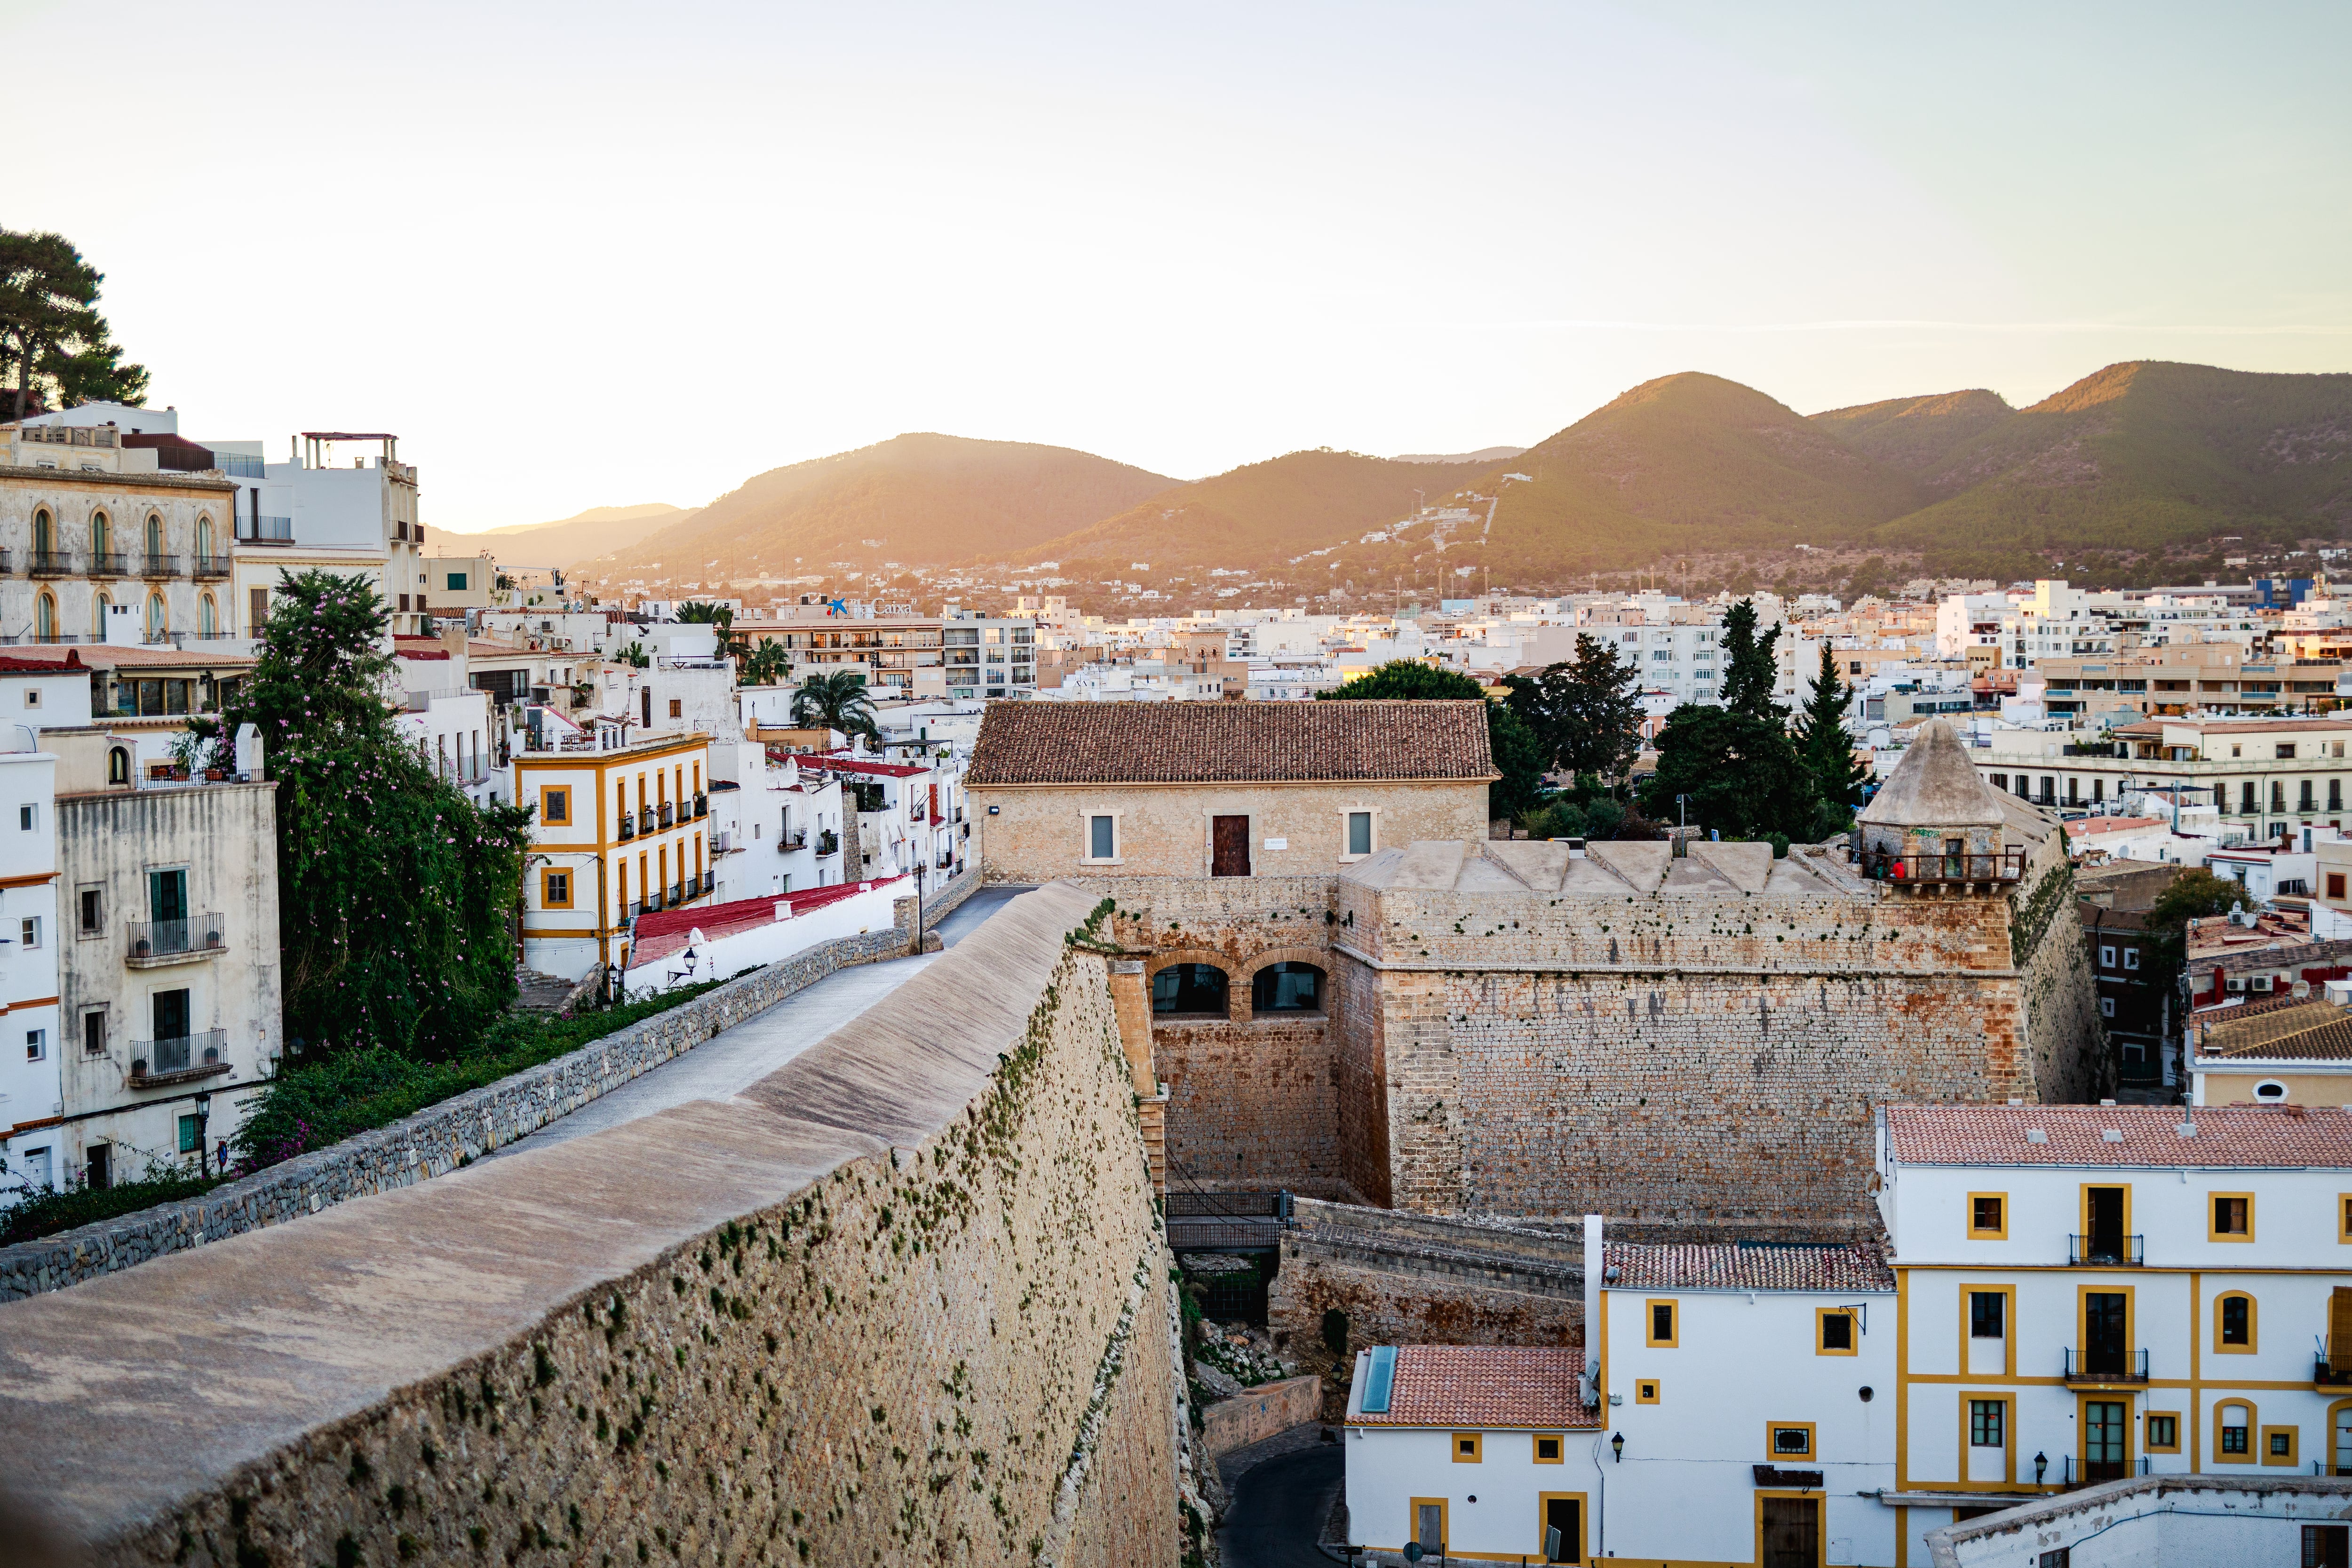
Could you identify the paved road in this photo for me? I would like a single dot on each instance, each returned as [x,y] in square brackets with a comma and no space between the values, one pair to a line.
[1279,1507]
[758,1045]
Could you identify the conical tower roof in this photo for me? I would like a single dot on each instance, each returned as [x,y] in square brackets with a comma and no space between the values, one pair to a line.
[1935,786]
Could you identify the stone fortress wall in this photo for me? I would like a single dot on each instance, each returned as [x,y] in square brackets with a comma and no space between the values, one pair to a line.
[903,1300]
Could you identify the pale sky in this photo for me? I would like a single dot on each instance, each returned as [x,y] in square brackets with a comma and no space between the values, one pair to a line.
[588,255]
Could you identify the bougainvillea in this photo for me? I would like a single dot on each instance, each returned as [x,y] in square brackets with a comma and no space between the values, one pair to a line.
[395,892]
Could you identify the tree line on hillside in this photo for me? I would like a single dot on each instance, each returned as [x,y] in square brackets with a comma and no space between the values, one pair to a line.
[55,349]
[1746,770]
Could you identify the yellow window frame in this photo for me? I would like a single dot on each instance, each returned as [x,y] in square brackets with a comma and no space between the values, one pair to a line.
[550,877]
[1979,1233]
[1812,1446]
[1672,1338]
[2253,1324]
[1822,1316]
[2213,1231]
[1469,1447]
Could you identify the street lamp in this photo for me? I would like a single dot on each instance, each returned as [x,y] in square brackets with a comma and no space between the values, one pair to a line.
[1617,1446]
[2041,1464]
[204,1121]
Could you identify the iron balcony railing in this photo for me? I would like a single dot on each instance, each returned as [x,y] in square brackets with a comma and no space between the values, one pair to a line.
[2109,1251]
[828,843]
[2075,1472]
[159,566]
[792,841]
[53,563]
[678,892]
[628,826]
[153,1058]
[265,529]
[665,813]
[166,939]
[2008,866]
[653,904]
[646,819]
[240,465]
[2095,1366]
[701,806]
[109,564]
[211,566]
[709,880]
[2331,1368]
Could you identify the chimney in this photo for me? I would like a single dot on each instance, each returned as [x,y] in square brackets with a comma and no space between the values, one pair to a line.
[1593,1303]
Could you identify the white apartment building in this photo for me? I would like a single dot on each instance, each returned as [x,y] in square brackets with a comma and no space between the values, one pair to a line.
[2093,1293]
[2269,778]
[990,656]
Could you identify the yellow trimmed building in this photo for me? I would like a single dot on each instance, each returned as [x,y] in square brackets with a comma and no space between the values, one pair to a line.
[620,827]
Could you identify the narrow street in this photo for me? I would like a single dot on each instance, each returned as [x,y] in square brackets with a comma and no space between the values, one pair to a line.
[1278,1509]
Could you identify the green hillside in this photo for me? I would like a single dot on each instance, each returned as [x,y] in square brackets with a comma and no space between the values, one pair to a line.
[922,498]
[1916,435]
[2141,456]
[1260,515]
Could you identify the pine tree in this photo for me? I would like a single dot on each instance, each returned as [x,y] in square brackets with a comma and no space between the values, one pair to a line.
[1518,751]
[1749,670]
[1825,747]
[1585,711]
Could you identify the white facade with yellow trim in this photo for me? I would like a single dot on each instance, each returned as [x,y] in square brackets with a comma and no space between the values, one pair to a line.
[617,829]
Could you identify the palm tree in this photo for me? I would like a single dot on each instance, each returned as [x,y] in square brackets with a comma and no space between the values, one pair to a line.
[698,611]
[838,701]
[764,665]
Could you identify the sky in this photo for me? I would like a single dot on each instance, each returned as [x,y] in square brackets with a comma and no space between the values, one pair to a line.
[602,254]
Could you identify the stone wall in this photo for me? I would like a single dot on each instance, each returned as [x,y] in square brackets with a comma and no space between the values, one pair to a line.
[444,1137]
[903,1300]
[1407,1279]
[1259,1412]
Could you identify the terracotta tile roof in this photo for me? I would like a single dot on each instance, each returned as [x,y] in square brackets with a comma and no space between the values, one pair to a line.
[1746,1266]
[2275,1137]
[665,932]
[2307,1031]
[1484,1385]
[868,765]
[1229,742]
[127,656]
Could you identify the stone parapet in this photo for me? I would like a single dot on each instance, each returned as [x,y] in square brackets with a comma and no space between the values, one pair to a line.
[1257,1414]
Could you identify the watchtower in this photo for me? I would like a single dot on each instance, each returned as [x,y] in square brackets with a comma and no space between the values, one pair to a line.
[1935,827]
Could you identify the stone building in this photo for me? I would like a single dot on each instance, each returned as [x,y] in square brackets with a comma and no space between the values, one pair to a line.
[1455,1025]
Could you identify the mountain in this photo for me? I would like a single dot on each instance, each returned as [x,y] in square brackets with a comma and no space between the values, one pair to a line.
[598,530]
[912,498]
[1483,454]
[1916,435]
[1257,516]
[1685,463]
[2145,455]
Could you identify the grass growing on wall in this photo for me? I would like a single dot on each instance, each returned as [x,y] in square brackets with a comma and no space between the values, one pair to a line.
[312,1106]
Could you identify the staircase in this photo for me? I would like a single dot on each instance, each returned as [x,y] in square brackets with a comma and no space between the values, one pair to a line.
[536,992]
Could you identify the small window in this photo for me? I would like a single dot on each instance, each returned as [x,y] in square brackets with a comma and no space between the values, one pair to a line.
[1287,988]
[2163,1432]
[457,582]
[2107,956]
[1662,1329]
[1102,837]
[32,696]
[2234,1323]
[1183,988]
[94,912]
[93,1033]
[2233,1217]
[677,707]
[2131,958]
[555,889]
[2107,1006]
[1359,833]
[2237,1422]
[28,932]
[2269,1090]
[555,804]
[1987,1216]
[1834,1331]
[1988,1423]
[118,766]
[2279,1446]
[1465,1447]
[37,1044]
[1547,1448]
[2327,1546]
[28,817]
[187,1134]
[1988,1315]
[2335,885]
[1792,1439]
[1645,1391]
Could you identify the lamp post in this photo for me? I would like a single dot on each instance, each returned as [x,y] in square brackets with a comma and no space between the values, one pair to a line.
[204,1121]
[1617,1446]
[2041,1464]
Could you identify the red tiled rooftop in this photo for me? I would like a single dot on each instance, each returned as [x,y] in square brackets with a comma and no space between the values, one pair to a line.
[1747,1266]
[1485,1386]
[2275,1137]
[1230,742]
[866,766]
[665,932]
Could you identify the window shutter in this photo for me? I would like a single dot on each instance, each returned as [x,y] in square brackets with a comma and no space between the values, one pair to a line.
[2340,1330]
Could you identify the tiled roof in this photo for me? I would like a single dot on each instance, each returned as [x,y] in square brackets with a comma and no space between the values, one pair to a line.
[868,765]
[2230,726]
[1229,742]
[2278,1137]
[1746,1266]
[2307,1031]
[2091,824]
[665,932]
[1484,1385]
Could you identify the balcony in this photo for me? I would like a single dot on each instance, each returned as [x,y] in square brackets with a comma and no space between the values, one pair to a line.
[628,826]
[2104,1367]
[828,843]
[159,566]
[1917,869]
[792,841]
[53,563]
[663,813]
[153,943]
[678,892]
[2104,1251]
[701,806]
[2075,1472]
[709,880]
[109,564]
[210,566]
[265,529]
[654,905]
[2330,1368]
[157,1063]
[646,819]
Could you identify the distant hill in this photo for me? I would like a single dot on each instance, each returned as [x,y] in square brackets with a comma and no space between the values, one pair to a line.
[595,531]
[920,498]
[1687,462]
[1483,454]
[1917,435]
[1259,515]
[2143,454]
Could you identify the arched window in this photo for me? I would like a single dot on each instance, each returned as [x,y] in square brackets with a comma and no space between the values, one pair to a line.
[204,538]
[156,620]
[118,766]
[154,537]
[45,618]
[207,616]
[101,535]
[1183,988]
[1287,988]
[45,535]
[2233,1423]
[2237,1325]
[100,601]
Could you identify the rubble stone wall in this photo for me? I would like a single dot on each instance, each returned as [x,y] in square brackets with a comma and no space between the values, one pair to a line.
[1405,1278]
[903,1299]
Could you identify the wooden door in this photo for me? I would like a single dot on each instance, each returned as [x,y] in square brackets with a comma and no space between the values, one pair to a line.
[1229,847]
[1791,1532]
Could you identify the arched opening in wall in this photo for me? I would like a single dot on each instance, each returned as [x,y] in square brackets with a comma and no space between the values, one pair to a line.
[45,618]
[1287,988]
[118,766]
[154,543]
[1188,989]
[209,616]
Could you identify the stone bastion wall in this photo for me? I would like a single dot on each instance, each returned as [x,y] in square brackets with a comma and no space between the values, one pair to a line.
[903,1300]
